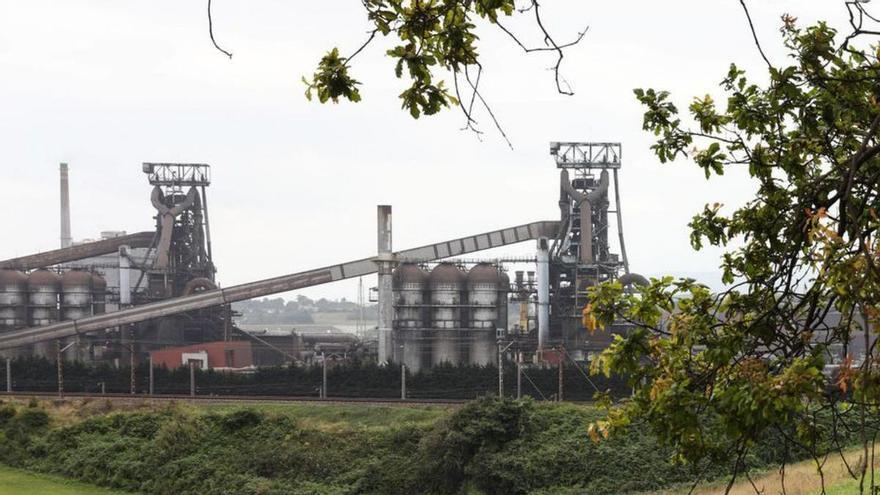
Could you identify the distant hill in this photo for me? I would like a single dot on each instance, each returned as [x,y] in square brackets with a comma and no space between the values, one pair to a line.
[278,311]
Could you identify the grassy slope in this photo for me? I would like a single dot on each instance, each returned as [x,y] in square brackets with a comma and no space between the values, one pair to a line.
[18,482]
[800,479]
[488,446]
[333,416]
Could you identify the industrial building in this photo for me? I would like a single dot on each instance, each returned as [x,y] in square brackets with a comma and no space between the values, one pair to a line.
[232,355]
[127,295]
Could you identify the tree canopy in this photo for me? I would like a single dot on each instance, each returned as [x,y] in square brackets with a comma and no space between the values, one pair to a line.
[713,373]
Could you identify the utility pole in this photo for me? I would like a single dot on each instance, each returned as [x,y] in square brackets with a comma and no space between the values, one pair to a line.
[151,374]
[501,351]
[519,375]
[60,353]
[131,366]
[192,379]
[402,382]
[500,371]
[60,369]
[8,375]
[323,376]
[561,355]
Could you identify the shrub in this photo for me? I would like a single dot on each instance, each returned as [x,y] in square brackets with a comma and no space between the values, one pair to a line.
[242,418]
[7,412]
[33,419]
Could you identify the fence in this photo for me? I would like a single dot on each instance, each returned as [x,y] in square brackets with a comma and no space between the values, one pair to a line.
[344,380]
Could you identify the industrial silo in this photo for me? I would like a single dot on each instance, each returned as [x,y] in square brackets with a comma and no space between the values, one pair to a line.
[76,303]
[99,294]
[76,295]
[43,289]
[13,300]
[482,290]
[446,283]
[409,283]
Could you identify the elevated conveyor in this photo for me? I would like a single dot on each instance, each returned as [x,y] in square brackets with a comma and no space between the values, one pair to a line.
[275,285]
[78,252]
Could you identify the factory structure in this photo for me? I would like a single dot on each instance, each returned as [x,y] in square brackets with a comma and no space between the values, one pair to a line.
[125,296]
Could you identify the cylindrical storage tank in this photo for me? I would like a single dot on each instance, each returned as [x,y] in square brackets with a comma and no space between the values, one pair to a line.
[482,287]
[76,295]
[409,284]
[99,294]
[446,283]
[43,289]
[13,300]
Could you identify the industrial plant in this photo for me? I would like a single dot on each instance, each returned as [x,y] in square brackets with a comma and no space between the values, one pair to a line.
[125,296]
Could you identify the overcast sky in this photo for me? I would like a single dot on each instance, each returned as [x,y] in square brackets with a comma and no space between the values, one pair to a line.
[106,85]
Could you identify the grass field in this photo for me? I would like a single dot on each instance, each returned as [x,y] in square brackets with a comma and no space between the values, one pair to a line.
[800,479]
[18,482]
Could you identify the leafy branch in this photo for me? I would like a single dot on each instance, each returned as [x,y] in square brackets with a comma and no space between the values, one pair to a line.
[435,36]
[713,373]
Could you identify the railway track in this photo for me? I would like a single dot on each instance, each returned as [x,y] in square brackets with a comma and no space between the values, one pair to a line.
[230,399]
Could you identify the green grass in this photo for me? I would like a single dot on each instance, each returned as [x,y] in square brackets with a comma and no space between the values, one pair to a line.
[336,415]
[18,482]
[847,487]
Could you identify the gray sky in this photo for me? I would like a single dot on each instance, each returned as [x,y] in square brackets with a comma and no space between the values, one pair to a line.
[106,85]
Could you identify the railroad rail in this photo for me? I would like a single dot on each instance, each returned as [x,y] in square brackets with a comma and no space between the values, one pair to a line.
[230,399]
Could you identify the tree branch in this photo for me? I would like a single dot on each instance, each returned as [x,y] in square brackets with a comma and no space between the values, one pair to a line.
[754,34]
[211,33]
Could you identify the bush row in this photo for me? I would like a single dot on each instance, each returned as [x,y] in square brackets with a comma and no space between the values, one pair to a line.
[348,379]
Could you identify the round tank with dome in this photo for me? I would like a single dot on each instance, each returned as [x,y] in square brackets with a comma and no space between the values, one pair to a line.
[43,289]
[446,283]
[410,283]
[13,300]
[76,294]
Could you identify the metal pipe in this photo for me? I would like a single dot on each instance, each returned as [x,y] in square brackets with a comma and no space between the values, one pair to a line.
[124,277]
[8,375]
[385,265]
[207,226]
[66,239]
[151,374]
[543,281]
[78,252]
[620,223]
[633,279]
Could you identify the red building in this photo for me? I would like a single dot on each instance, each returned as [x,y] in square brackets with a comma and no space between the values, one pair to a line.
[236,354]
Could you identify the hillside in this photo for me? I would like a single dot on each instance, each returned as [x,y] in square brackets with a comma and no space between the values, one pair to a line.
[488,446]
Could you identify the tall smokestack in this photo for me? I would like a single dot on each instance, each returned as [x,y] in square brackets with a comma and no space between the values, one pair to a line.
[66,240]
